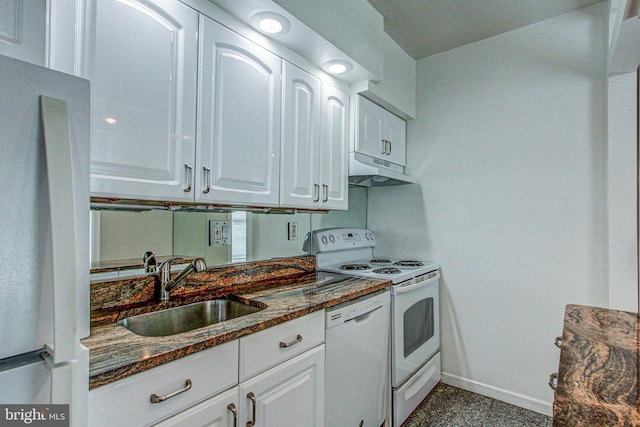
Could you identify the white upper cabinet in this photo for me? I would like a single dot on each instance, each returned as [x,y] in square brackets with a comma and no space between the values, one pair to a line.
[141,59]
[334,136]
[300,139]
[238,147]
[314,143]
[23,26]
[379,133]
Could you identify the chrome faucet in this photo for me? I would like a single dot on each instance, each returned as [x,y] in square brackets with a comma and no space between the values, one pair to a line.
[150,262]
[166,283]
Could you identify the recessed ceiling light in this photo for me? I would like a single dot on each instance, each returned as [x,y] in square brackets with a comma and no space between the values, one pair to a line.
[337,67]
[270,23]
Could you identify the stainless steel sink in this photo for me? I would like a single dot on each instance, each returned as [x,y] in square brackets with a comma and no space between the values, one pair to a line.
[186,317]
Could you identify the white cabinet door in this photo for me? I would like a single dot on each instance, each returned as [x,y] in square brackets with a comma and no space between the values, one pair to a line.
[238,120]
[218,411]
[314,166]
[290,394]
[23,25]
[396,135]
[300,165]
[141,59]
[370,131]
[380,134]
[334,137]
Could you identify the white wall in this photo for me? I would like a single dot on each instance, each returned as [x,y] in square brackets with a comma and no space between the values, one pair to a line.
[622,192]
[509,151]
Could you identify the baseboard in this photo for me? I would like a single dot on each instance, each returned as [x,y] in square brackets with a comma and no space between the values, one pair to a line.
[516,399]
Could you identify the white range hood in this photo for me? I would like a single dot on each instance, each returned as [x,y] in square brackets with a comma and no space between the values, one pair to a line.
[367,171]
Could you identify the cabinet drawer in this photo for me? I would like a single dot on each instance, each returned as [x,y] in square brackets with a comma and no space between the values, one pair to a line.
[272,346]
[128,401]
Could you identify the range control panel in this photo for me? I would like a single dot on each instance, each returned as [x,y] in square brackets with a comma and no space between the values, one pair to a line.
[336,239]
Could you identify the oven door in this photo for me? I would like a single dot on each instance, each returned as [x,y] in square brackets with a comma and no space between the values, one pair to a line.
[415,322]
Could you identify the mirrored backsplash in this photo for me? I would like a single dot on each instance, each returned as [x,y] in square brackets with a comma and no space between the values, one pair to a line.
[219,238]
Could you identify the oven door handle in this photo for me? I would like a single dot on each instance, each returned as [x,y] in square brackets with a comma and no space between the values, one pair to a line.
[396,290]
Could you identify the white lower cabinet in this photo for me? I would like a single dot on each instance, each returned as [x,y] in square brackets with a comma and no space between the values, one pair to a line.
[288,395]
[218,411]
[281,387]
[185,382]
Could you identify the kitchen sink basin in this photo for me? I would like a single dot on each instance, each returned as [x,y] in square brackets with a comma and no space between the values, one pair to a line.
[186,317]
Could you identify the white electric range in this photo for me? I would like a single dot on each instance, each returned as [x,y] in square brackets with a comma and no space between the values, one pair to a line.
[415,309]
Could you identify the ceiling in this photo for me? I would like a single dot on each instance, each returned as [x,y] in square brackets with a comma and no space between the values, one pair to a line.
[426,27]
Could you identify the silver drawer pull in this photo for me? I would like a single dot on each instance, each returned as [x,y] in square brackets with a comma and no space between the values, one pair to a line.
[232,408]
[553,380]
[157,399]
[316,192]
[207,179]
[252,398]
[558,342]
[289,344]
[189,177]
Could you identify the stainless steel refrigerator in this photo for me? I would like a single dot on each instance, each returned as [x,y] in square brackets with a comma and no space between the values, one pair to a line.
[44,237]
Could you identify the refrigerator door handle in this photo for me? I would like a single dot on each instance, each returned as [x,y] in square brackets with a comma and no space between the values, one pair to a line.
[55,123]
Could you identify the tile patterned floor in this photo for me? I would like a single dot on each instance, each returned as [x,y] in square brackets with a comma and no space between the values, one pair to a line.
[448,406]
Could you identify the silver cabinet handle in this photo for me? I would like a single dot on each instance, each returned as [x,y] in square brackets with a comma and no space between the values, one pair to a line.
[207,179]
[558,342]
[389,150]
[325,191]
[252,398]
[553,380]
[234,411]
[157,399]
[316,192]
[289,344]
[189,172]
[384,146]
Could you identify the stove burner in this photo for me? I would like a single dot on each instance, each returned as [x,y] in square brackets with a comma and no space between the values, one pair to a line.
[380,261]
[354,267]
[388,270]
[409,263]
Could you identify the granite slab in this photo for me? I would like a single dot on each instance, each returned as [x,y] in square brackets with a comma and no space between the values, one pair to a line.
[116,352]
[598,373]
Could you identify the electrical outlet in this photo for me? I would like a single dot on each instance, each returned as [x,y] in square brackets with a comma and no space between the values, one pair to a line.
[293,231]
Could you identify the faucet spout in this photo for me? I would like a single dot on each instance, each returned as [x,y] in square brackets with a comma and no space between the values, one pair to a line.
[166,283]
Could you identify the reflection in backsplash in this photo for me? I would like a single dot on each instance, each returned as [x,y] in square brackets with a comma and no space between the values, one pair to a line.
[219,238]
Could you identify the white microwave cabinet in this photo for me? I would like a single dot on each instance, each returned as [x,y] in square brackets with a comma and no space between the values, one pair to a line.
[315,132]
[378,133]
[274,378]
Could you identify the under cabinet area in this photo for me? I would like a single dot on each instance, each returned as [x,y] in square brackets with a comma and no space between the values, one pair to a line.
[378,133]
[141,59]
[314,142]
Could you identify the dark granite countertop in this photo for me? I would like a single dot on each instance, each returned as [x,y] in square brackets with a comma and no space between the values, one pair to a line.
[599,366]
[116,353]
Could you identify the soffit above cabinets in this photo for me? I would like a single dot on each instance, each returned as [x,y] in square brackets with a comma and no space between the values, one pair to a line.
[426,27]
[320,43]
